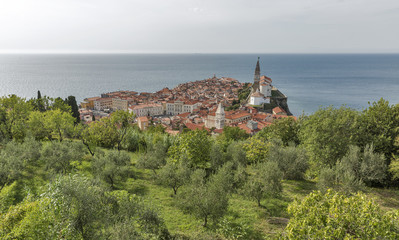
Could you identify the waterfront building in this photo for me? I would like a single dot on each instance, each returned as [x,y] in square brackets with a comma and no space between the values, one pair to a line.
[88,103]
[101,104]
[147,110]
[119,104]
[261,89]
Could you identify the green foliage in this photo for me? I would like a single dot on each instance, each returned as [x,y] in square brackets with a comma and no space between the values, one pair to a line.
[132,141]
[328,133]
[122,120]
[327,179]
[394,169]
[14,159]
[256,150]
[193,147]
[244,93]
[107,132]
[71,101]
[112,166]
[101,133]
[174,175]
[133,219]
[354,170]
[264,182]
[207,198]
[58,156]
[29,220]
[217,156]
[14,111]
[335,216]
[37,126]
[292,161]
[154,159]
[231,134]
[60,123]
[60,104]
[233,230]
[7,197]
[373,168]
[235,153]
[284,129]
[80,205]
[380,127]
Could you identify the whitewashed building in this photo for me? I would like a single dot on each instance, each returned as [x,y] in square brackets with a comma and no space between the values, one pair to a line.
[178,107]
[146,110]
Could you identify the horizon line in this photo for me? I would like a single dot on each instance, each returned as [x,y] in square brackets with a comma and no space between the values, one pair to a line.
[177,53]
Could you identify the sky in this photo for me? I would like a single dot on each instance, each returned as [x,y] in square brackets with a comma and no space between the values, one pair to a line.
[199,26]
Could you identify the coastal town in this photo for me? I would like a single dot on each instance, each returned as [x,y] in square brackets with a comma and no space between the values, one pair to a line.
[209,104]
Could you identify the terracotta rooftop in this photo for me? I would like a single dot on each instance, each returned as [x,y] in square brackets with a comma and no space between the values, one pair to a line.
[238,114]
[278,110]
[142,119]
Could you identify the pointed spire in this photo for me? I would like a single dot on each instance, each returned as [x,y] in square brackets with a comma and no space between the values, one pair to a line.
[220,109]
[256,76]
[257,69]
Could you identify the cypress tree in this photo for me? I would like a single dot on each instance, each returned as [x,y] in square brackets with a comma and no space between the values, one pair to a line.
[40,103]
[71,101]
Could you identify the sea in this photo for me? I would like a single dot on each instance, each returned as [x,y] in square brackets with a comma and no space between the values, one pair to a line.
[310,81]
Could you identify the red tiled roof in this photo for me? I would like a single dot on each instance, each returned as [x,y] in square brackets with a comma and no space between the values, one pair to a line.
[277,110]
[184,115]
[143,119]
[193,126]
[237,115]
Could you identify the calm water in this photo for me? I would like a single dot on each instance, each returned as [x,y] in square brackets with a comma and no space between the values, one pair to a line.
[308,80]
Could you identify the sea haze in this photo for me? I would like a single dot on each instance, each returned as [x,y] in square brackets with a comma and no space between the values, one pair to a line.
[309,80]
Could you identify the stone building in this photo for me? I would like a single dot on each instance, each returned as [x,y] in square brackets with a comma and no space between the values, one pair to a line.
[216,119]
[261,89]
[147,110]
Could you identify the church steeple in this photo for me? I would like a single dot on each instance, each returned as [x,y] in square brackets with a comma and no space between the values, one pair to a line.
[219,117]
[256,76]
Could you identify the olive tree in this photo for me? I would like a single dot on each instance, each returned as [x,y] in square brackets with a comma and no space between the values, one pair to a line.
[14,159]
[112,166]
[174,176]
[154,159]
[208,198]
[328,133]
[264,182]
[57,156]
[193,147]
[292,160]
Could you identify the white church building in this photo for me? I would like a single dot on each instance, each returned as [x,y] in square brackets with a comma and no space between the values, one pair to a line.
[261,89]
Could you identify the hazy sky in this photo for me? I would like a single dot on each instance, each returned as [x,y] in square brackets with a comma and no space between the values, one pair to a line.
[199,26]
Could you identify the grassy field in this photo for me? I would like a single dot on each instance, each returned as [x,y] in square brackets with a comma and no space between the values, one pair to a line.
[263,222]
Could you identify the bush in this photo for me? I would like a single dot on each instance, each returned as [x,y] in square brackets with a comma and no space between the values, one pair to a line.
[335,216]
[58,156]
[291,160]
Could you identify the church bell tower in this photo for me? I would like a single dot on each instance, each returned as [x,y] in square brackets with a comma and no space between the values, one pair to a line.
[256,77]
[219,117]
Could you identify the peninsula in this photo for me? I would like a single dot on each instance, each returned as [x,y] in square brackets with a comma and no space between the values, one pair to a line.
[211,104]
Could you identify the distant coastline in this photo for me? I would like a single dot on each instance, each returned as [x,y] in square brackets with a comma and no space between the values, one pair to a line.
[310,80]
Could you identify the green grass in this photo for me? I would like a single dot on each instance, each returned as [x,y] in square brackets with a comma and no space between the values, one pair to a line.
[263,222]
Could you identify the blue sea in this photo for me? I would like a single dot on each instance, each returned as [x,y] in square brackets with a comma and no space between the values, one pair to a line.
[309,80]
